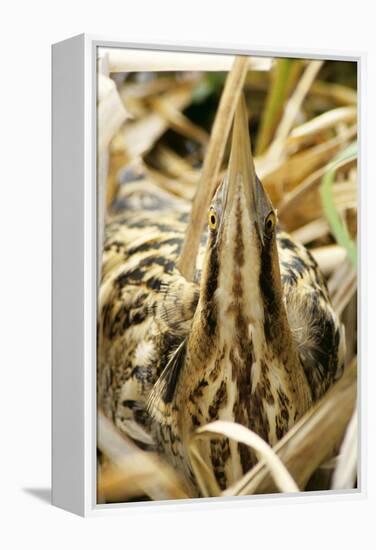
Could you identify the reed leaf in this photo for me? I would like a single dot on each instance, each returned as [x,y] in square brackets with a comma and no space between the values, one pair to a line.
[337,226]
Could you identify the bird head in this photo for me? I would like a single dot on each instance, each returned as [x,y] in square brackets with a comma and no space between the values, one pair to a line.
[240,286]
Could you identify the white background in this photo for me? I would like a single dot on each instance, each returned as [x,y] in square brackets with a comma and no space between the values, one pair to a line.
[27,31]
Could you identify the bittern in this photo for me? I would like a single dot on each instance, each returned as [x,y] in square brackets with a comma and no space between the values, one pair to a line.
[253,339]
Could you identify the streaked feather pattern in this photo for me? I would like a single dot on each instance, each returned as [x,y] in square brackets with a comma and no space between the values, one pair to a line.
[146,309]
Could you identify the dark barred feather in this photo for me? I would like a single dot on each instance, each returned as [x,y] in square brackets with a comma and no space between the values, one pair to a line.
[146,307]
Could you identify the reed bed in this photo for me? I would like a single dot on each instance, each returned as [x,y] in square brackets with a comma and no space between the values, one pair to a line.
[172,126]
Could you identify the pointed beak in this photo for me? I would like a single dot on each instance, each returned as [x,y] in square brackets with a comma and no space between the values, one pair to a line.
[241,174]
[241,169]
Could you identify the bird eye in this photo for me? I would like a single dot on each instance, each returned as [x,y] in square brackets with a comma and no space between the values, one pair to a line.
[212,219]
[270,224]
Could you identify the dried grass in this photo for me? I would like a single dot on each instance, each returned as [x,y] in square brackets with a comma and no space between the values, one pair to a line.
[236,432]
[303,124]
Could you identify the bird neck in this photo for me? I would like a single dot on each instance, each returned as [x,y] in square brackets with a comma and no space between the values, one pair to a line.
[240,340]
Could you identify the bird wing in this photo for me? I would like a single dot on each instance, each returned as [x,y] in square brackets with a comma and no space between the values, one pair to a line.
[316,328]
[144,312]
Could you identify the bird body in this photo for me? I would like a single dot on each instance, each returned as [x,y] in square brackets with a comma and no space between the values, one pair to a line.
[146,310]
[252,339]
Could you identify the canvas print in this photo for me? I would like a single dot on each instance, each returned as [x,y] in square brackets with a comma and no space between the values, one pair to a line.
[227,275]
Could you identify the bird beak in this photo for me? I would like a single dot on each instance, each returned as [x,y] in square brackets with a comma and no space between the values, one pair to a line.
[241,165]
[241,172]
[233,266]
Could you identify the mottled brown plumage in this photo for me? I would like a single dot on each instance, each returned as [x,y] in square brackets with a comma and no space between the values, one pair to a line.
[253,339]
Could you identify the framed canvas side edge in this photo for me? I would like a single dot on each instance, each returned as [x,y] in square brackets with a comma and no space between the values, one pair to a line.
[68,171]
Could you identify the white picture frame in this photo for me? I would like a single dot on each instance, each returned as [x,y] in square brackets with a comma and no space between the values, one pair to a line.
[76,241]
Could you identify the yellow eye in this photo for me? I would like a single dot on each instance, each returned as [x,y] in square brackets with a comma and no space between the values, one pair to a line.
[212,219]
[270,221]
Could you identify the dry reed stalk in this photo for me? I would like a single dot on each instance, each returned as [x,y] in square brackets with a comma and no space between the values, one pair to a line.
[310,442]
[343,197]
[176,166]
[111,112]
[346,471]
[311,231]
[145,89]
[296,168]
[117,161]
[328,257]
[292,108]
[147,60]
[342,95]
[179,122]
[140,135]
[241,434]
[298,195]
[309,130]
[212,164]
[141,472]
[343,286]
[172,185]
